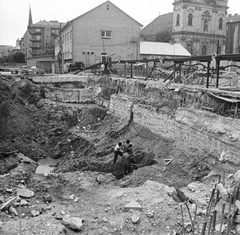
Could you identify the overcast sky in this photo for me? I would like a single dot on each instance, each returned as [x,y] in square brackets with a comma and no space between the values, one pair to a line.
[14,13]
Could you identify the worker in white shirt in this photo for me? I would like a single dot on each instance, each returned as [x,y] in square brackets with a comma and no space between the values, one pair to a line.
[117,151]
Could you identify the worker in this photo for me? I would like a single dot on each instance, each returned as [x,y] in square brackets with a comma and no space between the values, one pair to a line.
[117,151]
[127,160]
[125,146]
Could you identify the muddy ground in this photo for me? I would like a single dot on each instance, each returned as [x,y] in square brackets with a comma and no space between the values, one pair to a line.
[85,182]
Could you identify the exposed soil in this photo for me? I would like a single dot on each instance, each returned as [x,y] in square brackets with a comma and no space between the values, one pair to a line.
[82,137]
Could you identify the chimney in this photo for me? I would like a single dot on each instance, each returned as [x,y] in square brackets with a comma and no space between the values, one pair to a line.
[171,42]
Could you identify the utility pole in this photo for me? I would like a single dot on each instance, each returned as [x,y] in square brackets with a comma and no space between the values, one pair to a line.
[61,48]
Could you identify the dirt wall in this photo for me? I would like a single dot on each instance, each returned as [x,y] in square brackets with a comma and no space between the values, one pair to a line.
[85,95]
[160,111]
[193,128]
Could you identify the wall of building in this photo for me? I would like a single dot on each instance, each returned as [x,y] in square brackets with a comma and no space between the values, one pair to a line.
[67,43]
[88,43]
[233,37]
[194,34]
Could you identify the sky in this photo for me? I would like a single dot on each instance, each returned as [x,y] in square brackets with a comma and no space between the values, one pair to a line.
[14,13]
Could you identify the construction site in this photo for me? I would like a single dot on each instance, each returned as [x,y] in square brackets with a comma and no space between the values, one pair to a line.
[57,140]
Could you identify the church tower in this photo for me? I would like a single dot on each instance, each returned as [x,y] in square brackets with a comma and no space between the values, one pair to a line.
[30,21]
[200,25]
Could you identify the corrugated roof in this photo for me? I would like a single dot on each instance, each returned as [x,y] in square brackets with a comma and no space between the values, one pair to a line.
[161,23]
[163,48]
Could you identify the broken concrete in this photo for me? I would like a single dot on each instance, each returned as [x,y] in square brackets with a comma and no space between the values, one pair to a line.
[74,223]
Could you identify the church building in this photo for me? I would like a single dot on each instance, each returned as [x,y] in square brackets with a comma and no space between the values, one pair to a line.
[200,25]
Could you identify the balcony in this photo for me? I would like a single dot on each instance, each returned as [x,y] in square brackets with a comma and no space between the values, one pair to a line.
[35,39]
[36,46]
[35,32]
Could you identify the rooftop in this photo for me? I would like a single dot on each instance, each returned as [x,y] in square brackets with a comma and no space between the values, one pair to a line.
[163,48]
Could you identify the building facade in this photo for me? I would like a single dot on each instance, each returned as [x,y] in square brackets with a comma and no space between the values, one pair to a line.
[233,34]
[105,31]
[38,42]
[200,25]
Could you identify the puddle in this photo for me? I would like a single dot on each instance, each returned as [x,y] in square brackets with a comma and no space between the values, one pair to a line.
[46,166]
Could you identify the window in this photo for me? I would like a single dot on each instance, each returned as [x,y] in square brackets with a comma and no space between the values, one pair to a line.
[205,25]
[107,7]
[178,20]
[220,24]
[190,19]
[38,30]
[189,47]
[204,50]
[106,34]
[70,34]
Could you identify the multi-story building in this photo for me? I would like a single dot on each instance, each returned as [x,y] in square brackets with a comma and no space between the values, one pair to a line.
[200,25]
[99,33]
[38,42]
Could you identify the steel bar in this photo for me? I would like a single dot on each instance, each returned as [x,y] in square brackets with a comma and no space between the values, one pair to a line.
[190,216]
[222,217]
[182,219]
[229,214]
[210,225]
[214,221]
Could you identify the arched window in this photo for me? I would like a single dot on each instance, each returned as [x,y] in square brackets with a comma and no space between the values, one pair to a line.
[178,20]
[190,19]
[189,47]
[204,50]
[220,25]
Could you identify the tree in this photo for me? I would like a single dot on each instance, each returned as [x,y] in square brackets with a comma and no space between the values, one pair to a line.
[164,36]
[18,57]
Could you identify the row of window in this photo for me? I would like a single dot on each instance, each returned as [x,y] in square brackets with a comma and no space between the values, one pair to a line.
[88,53]
[204,49]
[190,22]
[67,36]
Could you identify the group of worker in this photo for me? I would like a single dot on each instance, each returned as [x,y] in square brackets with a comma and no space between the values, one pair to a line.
[125,151]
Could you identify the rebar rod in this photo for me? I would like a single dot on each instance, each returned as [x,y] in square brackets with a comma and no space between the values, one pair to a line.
[182,219]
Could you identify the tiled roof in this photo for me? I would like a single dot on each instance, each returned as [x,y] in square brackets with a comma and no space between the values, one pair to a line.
[163,48]
[161,23]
